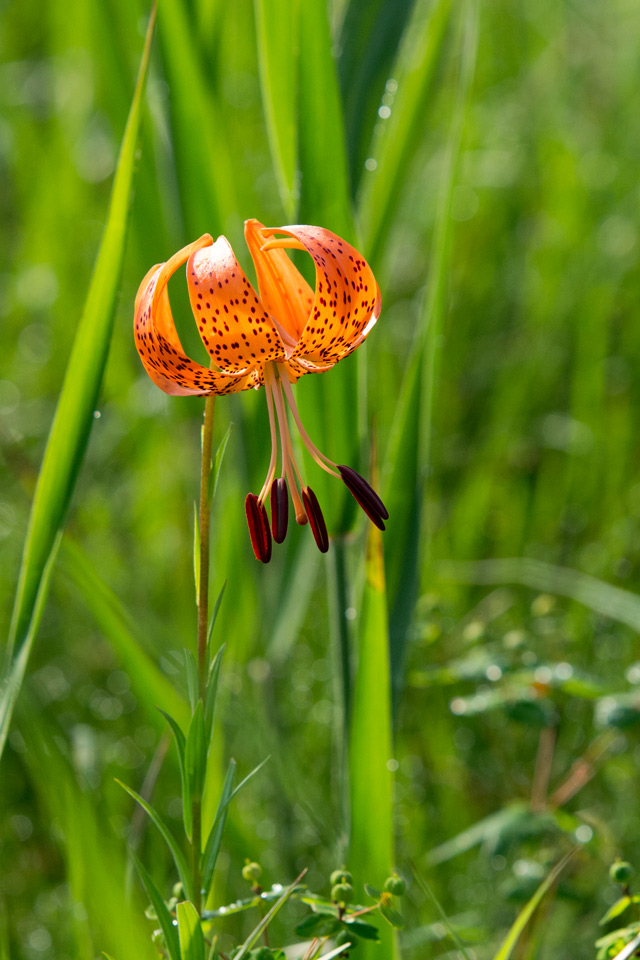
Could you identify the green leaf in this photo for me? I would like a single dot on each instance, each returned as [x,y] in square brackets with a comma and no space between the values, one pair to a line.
[191,672]
[318,925]
[181,741]
[529,909]
[360,927]
[392,916]
[195,753]
[190,932]
[162,913]
[74,415]
[212,848]
[170,840]
[618,907]
[373,891]
[370,748]
[278,51]
[212,691]
[396,139]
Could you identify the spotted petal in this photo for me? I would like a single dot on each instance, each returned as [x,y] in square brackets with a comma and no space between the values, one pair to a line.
[158,343]
[235,327]
[347,299]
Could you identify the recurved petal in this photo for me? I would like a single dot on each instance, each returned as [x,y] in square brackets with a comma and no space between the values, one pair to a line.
[347,298]
[235,327]
[285,293]
[158,343]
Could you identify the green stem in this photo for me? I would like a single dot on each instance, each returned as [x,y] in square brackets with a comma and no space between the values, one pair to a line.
[204,518]
[203,625]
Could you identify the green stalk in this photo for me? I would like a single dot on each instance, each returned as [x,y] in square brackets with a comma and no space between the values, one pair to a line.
[204,523]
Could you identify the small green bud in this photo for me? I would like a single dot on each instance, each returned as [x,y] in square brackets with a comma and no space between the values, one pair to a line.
[264,953]
[340,876]
[251,872]
[395,885]
[621,871]
[178,891]
[342,893]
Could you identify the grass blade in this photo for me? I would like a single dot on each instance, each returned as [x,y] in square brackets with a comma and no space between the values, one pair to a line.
[409,451]
[371,845]
[74,414]
[369,39]
[212,848]
[396,138]
[277,24]
[529,909]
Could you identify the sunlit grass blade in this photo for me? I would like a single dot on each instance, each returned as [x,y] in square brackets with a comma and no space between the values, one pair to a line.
[202,154]
[94,860]
[396,137]
[164,917]
[277,26]
[530,907]
[369,38]
[190,932]
[409,450]
[74,414]
[170,840]
[604,598]
[371,841]
[151,686]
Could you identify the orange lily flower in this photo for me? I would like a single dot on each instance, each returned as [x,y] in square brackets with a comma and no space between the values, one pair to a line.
[269,339]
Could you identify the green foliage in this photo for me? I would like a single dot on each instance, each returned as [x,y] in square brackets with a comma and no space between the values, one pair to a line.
[486,167]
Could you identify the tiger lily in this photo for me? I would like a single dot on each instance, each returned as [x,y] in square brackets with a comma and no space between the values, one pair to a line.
[269,339]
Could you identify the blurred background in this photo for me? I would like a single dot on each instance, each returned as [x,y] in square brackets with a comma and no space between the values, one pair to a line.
[487,168]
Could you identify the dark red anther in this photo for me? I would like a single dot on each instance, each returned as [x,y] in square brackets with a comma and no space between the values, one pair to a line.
[365,495]
[279,509]
[316,520]
[258,524]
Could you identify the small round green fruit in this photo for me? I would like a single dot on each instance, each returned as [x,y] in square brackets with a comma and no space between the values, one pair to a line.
[342,893]
[340,876]
[621,871]
[251,872]
[395,885]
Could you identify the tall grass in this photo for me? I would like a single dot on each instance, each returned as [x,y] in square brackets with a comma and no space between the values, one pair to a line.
[483,159]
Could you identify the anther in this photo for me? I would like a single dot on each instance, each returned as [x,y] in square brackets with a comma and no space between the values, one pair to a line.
[316,520]
[279,509]
[258,527]
[365,495]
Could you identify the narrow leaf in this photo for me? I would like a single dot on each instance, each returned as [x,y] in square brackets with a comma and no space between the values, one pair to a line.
[191,671]
[278,50]
[164,917]
[74,414]
[212,691]
[190,932]
[195,761]
[212,848]
[529,909]
[170,840]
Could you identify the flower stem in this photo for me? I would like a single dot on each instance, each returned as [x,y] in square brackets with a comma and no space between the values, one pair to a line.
[204,523]
[204,519]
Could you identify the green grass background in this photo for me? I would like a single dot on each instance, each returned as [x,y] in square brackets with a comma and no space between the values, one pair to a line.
[484,159]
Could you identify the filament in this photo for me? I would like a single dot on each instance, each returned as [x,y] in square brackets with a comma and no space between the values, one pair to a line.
[274,442]
[289,466]
[317,455]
